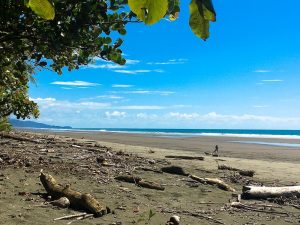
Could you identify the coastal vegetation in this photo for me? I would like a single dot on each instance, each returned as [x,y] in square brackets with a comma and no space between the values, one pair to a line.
[52,35]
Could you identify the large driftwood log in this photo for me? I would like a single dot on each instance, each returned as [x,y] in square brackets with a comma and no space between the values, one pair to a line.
[213,181]
[140,182]
[184,157]
[249,173]
[18,138]
[77,200]
[254,192]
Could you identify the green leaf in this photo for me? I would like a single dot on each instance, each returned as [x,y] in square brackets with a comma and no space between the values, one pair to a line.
[201,12]
[42,8]
[149,11]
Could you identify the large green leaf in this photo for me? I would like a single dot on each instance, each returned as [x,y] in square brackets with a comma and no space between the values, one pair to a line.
[201,12]
[149,11]
[42,8]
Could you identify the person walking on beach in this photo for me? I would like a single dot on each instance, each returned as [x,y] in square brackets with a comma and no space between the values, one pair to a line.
[216,151]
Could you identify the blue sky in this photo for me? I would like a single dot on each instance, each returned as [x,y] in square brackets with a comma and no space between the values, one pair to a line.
[246,75]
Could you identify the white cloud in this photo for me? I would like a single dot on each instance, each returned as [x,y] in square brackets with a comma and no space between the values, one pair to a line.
[214,117]
[141,107]
[76,83]
[122,86]
[146,116]
[184,116]
[262,71]
[46,103]
[169,62]
[138,71]
[147,92]
[132,61]
[104,66]
[260,106]
[274,80]
[115,114]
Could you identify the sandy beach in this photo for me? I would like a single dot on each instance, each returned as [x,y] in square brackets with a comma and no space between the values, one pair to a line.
[274,166]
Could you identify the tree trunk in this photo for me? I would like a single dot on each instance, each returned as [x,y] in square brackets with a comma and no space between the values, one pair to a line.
[254,192]
[77,200]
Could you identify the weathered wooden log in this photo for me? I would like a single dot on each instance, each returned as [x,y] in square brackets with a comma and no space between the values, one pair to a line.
[18,138]
[254,192]
[140,182]
[249,173]
[77,200]
[184,157]
[213,181]
[174,170]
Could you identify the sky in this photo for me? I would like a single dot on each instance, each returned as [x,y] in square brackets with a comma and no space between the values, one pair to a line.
[245,76]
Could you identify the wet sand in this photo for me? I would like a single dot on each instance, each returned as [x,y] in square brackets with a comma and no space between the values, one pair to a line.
[200,145]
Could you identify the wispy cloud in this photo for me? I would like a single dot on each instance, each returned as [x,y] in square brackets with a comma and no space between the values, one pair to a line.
[141,107]
[104,66]
[138,71]
[214,117]
[46,103]
[76,83]
[262,71]
[122,85]
[146,92]
[169,62]
[274,80]
[115,114]
[132,61]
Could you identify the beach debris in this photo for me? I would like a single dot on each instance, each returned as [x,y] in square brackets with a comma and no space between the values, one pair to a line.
[255,192]
[174,170]
[174,220]
[79,216]
[197,214]
[186,157]
[62,202]
[257,208]
[211,154]
[77,200]
[149,169]
[248,173]
[213,181]
[140,182]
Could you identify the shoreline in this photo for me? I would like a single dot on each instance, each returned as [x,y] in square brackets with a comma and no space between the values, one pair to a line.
[228,146]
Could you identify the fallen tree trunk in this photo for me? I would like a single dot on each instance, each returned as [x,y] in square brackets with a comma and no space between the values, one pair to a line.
[249,173]
[140,182]
[213,181]
[77,200]
[254,192]
[18,138]
[184,157]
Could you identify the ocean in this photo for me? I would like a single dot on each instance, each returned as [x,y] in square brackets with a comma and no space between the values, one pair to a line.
[285,134]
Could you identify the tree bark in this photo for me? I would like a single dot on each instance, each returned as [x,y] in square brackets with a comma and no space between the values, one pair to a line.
[213,181]
[254,192]
[77,200]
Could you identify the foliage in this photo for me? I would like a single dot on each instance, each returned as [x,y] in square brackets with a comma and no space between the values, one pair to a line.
[4,124]
[42,8]
[57,34]
[146,218]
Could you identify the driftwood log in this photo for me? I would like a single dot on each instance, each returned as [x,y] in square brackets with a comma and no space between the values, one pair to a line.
[184,157]
[213,181]
[77,200]
[249,173]
[140,182]
[254,192]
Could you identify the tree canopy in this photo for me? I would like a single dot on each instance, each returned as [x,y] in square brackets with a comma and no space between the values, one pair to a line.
[54,34]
